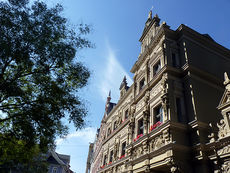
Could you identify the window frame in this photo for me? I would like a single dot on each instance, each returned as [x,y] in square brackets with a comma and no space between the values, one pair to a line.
[105,159]
[54,170]
[115,125]
[159,67]
[123,148]
[111,156]
[142,84]
[158,115]
[109,131]
[126,114]
[139,127]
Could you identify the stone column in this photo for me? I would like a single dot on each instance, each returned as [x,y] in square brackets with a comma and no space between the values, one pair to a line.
[146,111]
[165,97]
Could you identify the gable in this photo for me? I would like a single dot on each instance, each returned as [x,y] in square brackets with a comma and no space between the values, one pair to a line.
[52,160]
[225,98]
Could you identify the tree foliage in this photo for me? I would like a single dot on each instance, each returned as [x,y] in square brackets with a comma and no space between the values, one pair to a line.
[39,77]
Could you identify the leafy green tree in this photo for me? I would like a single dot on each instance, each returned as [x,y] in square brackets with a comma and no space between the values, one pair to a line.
[40,77]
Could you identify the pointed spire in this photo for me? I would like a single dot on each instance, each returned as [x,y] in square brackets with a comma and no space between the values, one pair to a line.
[150,14]
[123,83]
[109,97]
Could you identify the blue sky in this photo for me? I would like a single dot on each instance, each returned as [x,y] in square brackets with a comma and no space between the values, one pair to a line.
[117,26]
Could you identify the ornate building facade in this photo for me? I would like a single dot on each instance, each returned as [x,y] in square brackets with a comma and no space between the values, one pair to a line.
[168,120]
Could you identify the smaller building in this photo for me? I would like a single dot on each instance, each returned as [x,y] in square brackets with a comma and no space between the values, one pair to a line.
[89,158]
[58,163]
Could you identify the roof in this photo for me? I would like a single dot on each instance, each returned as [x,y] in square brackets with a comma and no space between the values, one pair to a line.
[61,159]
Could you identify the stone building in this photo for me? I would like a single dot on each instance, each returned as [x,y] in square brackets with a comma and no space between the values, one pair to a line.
[168,120]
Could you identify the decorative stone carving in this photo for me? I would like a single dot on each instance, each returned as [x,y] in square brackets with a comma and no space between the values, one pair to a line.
[146,111]
[212,136]
[114,169]
[156,90]
[131,129]
[134,154]
[146,101]
[223,131]
[119,121]
[118,168]
[174,169]
[147,169]
[145,147]
[139,151]
[132,110]
[116,149]
[226,80]
[164,83]
[160,141]
[166,136]
[129,152]
[164,97]
[225,168]
[224,150]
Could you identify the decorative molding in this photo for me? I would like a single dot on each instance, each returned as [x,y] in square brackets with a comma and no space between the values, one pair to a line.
[223,129]
[225,150]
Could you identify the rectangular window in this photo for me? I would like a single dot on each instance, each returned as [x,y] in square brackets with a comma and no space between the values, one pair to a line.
[158,114]
[142,84]
[126,114]
[156,68]
[140,127]
[109,132]
[114,125]
[123,147]
[105,160]
[54,170]
[111,156]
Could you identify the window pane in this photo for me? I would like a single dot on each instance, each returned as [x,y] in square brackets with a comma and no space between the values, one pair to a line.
[156,68]
[142,84]
[126,114]
[140,126]
[158,113]
[111,156]
[123,148]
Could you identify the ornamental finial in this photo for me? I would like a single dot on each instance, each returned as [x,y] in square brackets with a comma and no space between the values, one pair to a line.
[226,79]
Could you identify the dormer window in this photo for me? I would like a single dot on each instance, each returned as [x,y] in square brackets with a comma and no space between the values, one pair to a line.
[142,84]
[156,68]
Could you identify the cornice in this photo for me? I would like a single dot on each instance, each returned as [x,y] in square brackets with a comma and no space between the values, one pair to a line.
[198,124]
[184,31]
[196,72]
